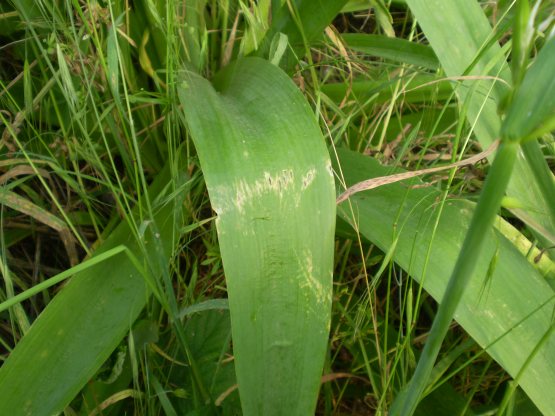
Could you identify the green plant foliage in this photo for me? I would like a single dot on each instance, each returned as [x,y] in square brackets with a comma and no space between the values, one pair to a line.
[462,39]
[129,289]
[271,185]
[86,321]
[532,111]
[395,49]
[506,310]
[302,21]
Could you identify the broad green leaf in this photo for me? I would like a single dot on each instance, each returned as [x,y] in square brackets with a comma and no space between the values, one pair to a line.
[313,17]
[458,31]
[400,50]
[270,182]
[208,336]
[508,316]
[85,322]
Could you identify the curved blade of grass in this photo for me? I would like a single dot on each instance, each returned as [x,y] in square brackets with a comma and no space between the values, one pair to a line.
[400,50]
[458,30]
[270,182]
[508,318]
[83,324]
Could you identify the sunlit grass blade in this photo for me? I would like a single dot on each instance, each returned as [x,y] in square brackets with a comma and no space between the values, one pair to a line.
[270,182]
[508,317]
[83,324]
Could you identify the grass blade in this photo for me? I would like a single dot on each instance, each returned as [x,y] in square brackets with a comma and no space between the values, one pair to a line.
[302,21]
[399,50]
[269,178]
[532,111]
[418,89]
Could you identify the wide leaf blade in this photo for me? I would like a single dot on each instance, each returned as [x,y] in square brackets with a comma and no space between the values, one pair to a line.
[270,182]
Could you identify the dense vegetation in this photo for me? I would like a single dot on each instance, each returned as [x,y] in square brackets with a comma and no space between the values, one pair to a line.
[200,213]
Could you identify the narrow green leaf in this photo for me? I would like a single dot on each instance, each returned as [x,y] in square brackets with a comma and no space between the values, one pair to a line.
[27,88]
[396,49]
[359,5]
[270,182]
[66,80]
[521,40]
[533,104]
[83,324]
[207,305]
[416,89]
[303,23]
[542,172]
[195,28]
[508,317]
[383,17]
[463,272]
[355,6]
[112,61]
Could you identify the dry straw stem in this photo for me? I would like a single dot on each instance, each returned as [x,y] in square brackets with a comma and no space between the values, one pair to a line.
[385,180]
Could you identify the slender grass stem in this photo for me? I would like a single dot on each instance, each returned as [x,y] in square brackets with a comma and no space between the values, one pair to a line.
[486,210]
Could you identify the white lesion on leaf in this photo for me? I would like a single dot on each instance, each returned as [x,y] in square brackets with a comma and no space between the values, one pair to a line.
[243,192]
[247,191]
[308,178]
[310,281]
[329,168]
